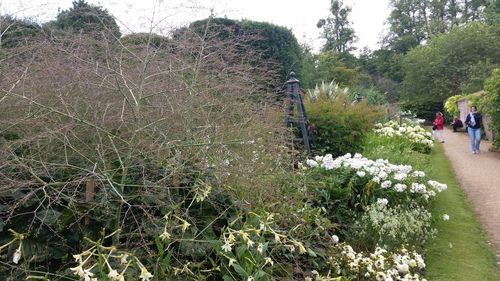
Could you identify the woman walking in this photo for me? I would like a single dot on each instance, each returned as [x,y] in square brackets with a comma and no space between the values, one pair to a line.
[438,127]
[473,122]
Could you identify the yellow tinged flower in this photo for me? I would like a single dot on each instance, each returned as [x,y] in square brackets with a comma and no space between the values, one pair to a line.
[185,225]
[145,274]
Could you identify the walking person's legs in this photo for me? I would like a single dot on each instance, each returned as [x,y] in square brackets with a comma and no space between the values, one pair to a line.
[477,137]
[470,131]
[441,135]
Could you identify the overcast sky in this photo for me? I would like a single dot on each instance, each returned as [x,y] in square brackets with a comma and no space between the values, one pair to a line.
[301,16]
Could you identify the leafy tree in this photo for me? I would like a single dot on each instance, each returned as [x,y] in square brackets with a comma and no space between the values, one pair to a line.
[415,21]
[408,24]
[451,62]
[492,12]
[342,68]
[385,68]
[86,18]
[337,29]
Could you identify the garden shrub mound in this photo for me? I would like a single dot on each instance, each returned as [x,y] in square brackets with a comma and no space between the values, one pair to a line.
[338,125]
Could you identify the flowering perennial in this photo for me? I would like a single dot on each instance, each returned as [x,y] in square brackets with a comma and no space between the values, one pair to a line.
[380,265]
[420,139]
[387,176]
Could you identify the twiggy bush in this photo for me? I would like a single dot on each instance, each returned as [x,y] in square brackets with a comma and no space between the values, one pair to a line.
[179,128]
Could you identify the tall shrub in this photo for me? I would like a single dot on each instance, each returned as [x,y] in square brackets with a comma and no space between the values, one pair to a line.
[492,87]
[339,126]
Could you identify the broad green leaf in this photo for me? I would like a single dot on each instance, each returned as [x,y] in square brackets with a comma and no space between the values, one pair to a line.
[240,270]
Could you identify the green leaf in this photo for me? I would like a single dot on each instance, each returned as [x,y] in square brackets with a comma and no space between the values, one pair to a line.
[227,278]
[49,216]
[240,270]
[311,252]
[240,251]
[159,245]
[260,275]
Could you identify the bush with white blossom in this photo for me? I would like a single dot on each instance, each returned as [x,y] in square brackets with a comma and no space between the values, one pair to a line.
[365,180]
[380,265]
[392,226]
[419,139]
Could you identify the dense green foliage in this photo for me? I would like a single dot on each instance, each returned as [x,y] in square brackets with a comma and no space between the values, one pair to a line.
[492,88]
[423,108]
[339,126]
[451,105]
[342,68]
[450,63]
[15,32]
[87,18]
[274,43]
[414,21]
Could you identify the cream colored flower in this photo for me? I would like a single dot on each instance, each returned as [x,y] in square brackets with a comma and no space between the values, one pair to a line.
[260,248]
[268,260]
[17,254]
[145,274]
[113,274]
[123,259]
[227,247]
[78,270]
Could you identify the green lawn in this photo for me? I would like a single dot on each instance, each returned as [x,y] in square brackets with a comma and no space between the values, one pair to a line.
[460,251]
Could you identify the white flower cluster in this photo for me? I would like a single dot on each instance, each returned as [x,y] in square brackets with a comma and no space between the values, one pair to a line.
[87,264]
[414,134]
[389,176]
[382,265]
[393,226]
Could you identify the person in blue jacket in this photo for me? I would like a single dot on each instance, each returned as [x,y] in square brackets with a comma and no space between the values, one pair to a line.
[473,122]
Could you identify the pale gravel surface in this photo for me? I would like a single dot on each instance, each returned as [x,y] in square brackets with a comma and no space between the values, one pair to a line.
[479,177]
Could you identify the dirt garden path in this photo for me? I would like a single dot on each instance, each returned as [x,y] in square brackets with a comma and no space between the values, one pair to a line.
[479,177]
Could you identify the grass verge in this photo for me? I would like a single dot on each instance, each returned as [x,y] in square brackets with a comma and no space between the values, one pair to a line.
[460,251]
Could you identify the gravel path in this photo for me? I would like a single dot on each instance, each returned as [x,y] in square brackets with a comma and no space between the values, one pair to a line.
[479,177]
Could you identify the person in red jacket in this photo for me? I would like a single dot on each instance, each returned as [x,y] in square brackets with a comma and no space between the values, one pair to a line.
[438,127]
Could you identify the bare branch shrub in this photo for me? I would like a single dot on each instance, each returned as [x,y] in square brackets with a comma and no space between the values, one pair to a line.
[151,125]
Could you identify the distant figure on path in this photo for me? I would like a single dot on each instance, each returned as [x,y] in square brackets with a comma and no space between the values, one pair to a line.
[438,127]
[473,122]
[456,124]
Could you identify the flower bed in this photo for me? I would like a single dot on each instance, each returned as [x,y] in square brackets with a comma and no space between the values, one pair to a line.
[417,137]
